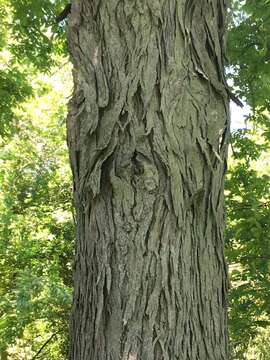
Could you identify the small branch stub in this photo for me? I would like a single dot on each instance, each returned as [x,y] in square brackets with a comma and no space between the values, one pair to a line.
[63,15]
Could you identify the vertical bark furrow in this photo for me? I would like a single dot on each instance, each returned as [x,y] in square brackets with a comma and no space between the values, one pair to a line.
[147,132]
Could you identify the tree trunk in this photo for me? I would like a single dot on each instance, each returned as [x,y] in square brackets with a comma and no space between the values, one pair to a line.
[147,133]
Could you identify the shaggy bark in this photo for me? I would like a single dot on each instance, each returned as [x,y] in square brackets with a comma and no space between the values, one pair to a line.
[147,132]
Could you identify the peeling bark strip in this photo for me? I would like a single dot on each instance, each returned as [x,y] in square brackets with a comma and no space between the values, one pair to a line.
[147,133]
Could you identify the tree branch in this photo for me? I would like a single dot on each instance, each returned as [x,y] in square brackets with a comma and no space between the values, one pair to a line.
[63,14]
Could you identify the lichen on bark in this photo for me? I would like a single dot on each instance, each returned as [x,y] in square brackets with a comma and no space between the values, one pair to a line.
[147,133]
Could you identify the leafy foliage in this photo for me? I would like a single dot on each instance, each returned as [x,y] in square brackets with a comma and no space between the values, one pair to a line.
[30,42]
[38,38]
[249,51]
[13,90]
[36,236]
[248,202]
[248,250]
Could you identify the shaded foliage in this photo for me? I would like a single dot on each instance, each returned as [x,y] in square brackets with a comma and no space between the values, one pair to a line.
[14,89]
[38,38]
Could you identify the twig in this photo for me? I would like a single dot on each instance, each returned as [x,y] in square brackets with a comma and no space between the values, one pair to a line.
[43,346]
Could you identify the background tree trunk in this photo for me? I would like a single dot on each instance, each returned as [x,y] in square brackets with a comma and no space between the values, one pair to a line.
[147,132]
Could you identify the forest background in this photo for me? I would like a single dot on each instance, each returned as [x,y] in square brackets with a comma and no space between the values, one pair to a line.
[36,212]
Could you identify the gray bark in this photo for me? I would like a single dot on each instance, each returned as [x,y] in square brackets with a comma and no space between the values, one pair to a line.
[147,133]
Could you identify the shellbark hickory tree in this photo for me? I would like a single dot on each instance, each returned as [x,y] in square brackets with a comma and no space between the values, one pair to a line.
[147,132]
